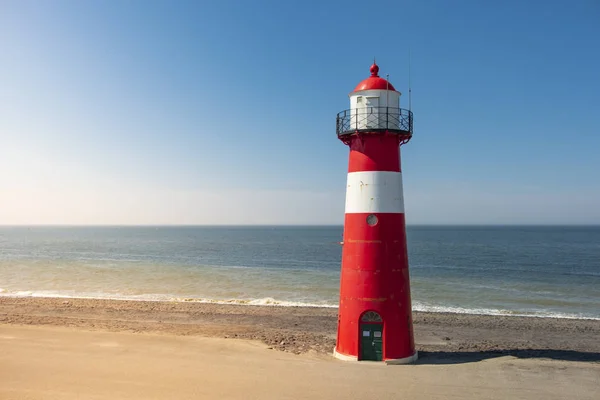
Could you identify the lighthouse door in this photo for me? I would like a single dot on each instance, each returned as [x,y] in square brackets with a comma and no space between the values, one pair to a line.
[371,337]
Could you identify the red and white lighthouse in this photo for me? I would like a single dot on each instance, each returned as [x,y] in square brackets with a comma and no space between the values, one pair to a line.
[375,320]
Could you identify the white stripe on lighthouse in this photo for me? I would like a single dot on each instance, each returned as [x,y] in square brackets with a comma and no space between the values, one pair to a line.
[374,192]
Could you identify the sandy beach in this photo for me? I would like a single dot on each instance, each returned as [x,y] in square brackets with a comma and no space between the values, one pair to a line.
[79,348]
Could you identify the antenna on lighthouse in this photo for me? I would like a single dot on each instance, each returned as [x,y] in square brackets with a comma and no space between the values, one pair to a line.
[387,92]
[409,85]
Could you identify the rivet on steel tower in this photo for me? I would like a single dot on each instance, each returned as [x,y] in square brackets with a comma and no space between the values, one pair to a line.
[375,318]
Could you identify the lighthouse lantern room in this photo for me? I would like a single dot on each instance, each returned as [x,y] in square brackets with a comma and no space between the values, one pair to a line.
[374,318]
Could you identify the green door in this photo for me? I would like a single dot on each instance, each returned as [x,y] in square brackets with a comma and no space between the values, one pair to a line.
[371,342]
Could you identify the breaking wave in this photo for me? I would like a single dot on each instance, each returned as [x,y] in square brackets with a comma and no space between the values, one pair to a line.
[269,301]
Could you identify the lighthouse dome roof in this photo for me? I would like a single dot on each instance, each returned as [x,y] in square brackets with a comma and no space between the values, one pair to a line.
[374,82]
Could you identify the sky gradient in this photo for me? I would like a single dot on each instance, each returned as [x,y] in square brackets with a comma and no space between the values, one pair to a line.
[157,112]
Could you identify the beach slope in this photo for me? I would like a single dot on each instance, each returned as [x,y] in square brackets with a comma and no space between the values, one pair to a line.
[67,363]
[105,349]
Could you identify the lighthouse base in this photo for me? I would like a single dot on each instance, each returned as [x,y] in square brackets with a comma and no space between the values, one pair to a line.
[344,357]
[405,360]
[394,361]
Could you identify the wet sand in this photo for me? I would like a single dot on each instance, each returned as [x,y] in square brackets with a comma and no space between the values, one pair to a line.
[105,349]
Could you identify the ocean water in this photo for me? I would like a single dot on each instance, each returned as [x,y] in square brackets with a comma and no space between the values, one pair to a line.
[533,271]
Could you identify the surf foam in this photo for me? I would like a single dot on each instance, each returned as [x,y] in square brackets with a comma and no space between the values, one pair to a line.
[269,301]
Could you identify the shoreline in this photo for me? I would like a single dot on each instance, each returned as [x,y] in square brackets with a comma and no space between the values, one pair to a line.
[306,329]
[270,302]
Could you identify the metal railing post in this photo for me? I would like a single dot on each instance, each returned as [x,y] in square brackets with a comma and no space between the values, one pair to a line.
[387,118]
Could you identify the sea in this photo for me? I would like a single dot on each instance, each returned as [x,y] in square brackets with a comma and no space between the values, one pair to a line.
[541,271]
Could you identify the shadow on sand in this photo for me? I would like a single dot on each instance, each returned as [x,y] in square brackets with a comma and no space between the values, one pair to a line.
[461,357]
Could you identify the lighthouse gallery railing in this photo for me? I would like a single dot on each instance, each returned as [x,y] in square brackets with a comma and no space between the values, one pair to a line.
[368,119]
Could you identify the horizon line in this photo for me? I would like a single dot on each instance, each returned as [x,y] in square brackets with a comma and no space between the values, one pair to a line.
[291,225]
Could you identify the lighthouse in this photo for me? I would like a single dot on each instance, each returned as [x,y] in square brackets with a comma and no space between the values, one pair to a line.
[374,318]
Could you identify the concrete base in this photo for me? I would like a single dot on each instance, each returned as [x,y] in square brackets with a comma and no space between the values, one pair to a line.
[343,357]
[395,361]
[405,360]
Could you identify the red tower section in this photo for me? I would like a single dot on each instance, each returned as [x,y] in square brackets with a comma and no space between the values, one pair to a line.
[375,319]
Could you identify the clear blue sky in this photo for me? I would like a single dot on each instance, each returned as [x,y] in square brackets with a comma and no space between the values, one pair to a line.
[223,112]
